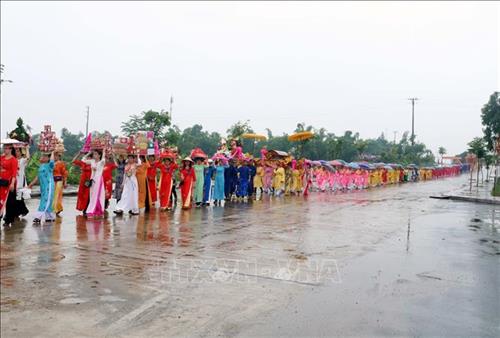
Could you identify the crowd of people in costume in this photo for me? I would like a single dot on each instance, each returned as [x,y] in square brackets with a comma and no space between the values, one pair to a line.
[141,182]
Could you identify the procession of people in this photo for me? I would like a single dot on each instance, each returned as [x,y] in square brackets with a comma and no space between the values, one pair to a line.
[142,176]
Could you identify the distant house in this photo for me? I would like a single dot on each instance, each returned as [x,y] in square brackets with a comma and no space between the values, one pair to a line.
[452,160]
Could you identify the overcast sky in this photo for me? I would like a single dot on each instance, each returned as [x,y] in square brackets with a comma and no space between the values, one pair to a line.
[341,66]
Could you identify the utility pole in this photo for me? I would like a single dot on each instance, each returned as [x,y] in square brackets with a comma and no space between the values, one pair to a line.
[413,99]
[170,111]
[87,126]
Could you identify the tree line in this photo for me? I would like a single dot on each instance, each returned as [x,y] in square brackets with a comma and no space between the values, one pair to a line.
[323,145]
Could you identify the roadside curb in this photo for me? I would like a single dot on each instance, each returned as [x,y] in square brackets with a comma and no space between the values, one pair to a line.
[467,199]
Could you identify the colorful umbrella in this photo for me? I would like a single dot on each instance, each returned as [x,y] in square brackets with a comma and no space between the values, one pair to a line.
[254,136]
[337,163]
[364,165]
[326,165]
[301,136]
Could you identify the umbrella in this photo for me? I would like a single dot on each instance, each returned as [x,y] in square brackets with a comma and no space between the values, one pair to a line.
[301,136]
[336,162]
[9,141]
[329,167]
[326,165]
[364,165]
[388,167]
[254,136]
[353,165]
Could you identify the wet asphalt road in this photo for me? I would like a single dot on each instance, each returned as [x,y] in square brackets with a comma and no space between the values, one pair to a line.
[387,261]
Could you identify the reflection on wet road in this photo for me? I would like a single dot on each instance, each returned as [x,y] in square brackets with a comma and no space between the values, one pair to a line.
[211,270]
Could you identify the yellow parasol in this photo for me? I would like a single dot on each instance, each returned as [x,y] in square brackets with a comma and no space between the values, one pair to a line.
[301,136]
[254,136]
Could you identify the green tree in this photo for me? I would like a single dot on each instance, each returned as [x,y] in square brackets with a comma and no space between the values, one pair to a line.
[73,143]
[442,152]
[239,128]
[489,160]
[490,118]
[361,146]
[278,143]
[195,136]
[148,121]
[172,136]
[349,151]
[478,147]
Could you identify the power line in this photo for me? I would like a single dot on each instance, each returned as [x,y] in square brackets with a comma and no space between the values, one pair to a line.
[2,68]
